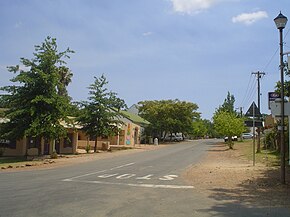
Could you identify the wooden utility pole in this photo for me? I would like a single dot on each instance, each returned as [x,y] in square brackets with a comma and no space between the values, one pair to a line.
[259,76]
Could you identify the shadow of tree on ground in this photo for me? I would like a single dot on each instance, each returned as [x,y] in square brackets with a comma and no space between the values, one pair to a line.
[262,195]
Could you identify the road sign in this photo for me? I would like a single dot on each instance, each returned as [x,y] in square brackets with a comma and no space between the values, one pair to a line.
[272,96]
[249,123]
[253,111]
[276,108]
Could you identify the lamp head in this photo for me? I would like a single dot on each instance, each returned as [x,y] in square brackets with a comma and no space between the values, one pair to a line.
[280,21]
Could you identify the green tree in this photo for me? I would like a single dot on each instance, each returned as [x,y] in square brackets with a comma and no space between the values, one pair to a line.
[199,128]
[34,104]
[100,114]
[202,128]
[168,116]
[228,104]
[65,76]
[228,124]
[184,113]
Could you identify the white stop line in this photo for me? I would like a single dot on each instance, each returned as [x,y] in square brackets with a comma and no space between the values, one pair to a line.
[133,185]
[126,176]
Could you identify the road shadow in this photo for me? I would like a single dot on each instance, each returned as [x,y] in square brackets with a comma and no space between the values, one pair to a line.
[219,147]
[263,196]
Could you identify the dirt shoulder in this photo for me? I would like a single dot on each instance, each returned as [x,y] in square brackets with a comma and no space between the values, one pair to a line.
[227,175]
[65,160]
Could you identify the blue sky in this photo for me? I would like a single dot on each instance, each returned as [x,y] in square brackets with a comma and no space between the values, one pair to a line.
[193,50]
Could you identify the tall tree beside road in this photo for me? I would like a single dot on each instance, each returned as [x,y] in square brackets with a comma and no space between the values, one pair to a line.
[228,124]
[169,116]
[100,114]
[228,104]
[35,105]
[202,128]
[226,120]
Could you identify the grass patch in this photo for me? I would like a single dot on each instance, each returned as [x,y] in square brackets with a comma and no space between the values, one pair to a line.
[6,161]
[267,157]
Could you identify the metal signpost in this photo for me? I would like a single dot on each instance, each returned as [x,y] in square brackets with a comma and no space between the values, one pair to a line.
[253,112]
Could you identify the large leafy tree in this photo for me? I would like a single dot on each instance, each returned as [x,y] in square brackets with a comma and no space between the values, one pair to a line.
[100,114]
[169,116]
[228,124]
[202,128]
[37,101]
[226,121]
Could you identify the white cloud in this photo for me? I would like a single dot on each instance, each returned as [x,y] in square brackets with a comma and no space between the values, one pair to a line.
[250,18]
[147,33]
[192,6]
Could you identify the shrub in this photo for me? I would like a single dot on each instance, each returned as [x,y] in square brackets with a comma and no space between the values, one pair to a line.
[53,155]
[270,140]
[88,148]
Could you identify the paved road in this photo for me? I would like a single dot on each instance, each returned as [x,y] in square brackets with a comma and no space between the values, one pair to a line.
[144,184]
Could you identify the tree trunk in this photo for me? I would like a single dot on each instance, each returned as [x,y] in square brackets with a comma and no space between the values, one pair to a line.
[53,146]
[96,144]
[39,148]
[88,141]
[230,142]
[26,151]
[88,147]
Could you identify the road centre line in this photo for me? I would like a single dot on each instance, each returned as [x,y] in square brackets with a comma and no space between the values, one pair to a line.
[134,185]
[101,171]
[125,165]
[88,174]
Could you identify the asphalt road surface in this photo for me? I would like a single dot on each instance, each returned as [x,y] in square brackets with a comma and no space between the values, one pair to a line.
[143,184]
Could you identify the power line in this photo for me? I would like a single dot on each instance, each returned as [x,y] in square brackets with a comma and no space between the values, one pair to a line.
[246,91]
[251,93]
[286,33]
[250,87]
[272,57]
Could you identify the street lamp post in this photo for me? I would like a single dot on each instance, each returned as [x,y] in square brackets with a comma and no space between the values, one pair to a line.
[281,22]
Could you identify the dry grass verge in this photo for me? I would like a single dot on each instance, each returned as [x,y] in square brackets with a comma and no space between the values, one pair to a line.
[10,164]
[229,176]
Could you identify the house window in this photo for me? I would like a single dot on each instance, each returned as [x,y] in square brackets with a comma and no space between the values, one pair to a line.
[33,142]
[68,141]
[8,144]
